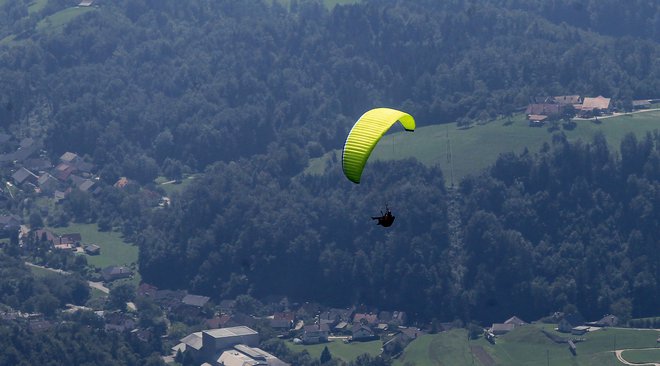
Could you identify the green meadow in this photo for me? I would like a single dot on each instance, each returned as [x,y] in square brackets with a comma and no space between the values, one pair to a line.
[37,6]
[61,18]
[529,346]
[338,349]
[114,251]
[477,147]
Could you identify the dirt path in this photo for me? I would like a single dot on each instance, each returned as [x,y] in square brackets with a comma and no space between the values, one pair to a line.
[482,355]
[620,357]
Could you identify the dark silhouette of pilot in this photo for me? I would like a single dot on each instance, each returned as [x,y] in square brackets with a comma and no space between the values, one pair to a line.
[386,219]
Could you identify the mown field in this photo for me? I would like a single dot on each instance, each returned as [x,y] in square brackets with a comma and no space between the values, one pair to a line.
[528,346]
[58,20]
[476,148]
[114,251]
[338,349]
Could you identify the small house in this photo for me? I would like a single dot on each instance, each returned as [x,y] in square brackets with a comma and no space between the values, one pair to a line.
[112,273]
[23,175]
[515,321]
[362,333]
[316,333]
[92,249]
[501,328]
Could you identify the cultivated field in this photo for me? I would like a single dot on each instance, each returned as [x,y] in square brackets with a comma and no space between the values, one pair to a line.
[476,148]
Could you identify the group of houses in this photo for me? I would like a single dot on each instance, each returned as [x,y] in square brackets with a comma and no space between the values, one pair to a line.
[69,241]
[572,323]
[542,109]
[38,174]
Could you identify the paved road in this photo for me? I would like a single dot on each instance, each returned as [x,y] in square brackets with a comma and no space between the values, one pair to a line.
[620,357]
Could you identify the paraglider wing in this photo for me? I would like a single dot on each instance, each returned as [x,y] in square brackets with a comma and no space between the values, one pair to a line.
[364,136]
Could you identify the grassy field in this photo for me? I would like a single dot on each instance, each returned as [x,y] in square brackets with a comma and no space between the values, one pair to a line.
[170,188]
[476,148]
[642,356]
[528,346]
[36,6]
[61,18]
[114,251]
[339,350]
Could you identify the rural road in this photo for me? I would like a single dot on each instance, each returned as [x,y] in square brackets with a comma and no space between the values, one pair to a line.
[616,114]
[620,357]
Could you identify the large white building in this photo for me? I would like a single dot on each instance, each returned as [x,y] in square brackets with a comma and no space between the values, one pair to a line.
[235,346]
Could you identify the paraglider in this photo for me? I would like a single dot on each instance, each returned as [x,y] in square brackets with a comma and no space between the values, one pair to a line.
[364,136]
[361,141]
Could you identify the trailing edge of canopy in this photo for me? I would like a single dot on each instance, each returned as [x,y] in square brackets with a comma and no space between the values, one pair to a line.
[364,136]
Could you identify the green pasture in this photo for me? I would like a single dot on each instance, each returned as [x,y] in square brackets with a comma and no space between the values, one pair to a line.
[476,148]
[528,346]
[446,348]
[170,188]
[61,18]
[642,355]
[338,349]
[114,251]
[37,6]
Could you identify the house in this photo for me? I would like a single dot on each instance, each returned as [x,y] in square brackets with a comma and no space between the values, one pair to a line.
[38,164]
[571,100]
[595,106]
[315,333]
[282,320]
[62,171]
[195,300]
[606,321]
[515,321]
[551,110]
[23,175]
[69,158]
[641,104]
[47,183]
[72,238]
[579,330]
[9,222]
[363,333]
[118,322]
[112,273]
[392,317]
[570,321]
[362,318]
[501,328]
[92,249]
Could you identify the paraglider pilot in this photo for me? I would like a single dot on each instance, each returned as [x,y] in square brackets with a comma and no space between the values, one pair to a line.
[386,219]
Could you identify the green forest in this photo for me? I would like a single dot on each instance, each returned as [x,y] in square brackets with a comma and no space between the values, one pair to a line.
[243,94]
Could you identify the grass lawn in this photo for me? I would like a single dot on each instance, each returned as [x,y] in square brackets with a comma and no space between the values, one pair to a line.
[478,147]
[61,18]
[338,349]
[114,251]
[170,188]
[641,356]
[528,346]
[37,6]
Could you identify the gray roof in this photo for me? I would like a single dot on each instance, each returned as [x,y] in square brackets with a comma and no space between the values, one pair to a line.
[193,340]
[230,332]
[22,174]
[195,300]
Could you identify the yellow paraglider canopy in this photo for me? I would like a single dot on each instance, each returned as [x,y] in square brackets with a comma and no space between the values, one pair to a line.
[364,136]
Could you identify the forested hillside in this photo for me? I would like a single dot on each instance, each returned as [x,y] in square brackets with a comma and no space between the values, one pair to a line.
[246,92]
